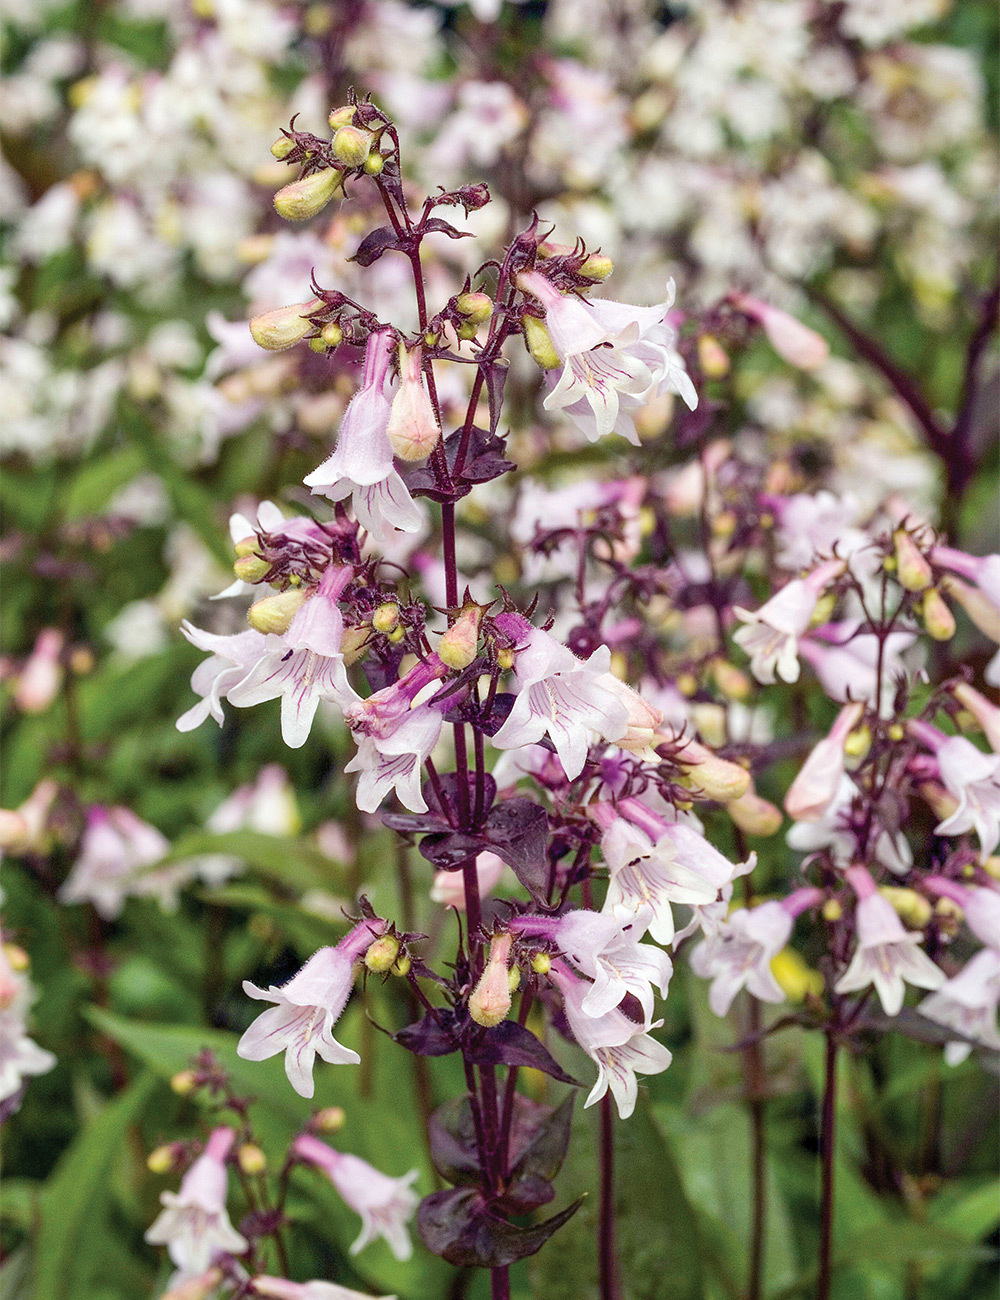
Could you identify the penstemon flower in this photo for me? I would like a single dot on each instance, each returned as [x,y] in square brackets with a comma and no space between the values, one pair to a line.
[771,635]
[968,1003]
[973,778]
[194,1224]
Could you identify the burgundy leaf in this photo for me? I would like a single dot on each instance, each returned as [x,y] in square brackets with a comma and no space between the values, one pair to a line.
[512,1044]
[460,1226]
[517,831]
[435,1035]
[438,225]
[373,245]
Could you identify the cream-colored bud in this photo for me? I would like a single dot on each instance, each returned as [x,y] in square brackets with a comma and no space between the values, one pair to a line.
[246,546]
[401,966]
[541,963]
[161,1161]
[250,568]
[352,145]
[832,910]
[937,617]
[795,979]
[331,334]
[755,815]
[385,617]
[413,430]
[467,330]
[343,116]
[458,646]
[306,197]
[858,742]
[731,681]
[184,1082]
[643,717]
[912,569]
[382,953]
[539,343]
[717,778]
[505,659]
[282,147]
[712,357]
[284,326]
[913,908]
[329,1120]
[17,958]
[251,1159]
[597,268]
[475,307]
[374,163]
[275,613]
[490,1001]
[514,978]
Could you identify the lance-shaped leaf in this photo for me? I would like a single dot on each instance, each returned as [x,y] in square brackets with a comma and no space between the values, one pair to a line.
[512,1044]
[460,1226]
[436,1034]
[449,851]
[451,1133]
[496,379]
[374,244]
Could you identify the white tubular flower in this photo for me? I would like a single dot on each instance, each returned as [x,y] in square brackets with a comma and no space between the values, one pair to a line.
[886,956]
[115,847]
[619,1047]
[968,1003]
[230,659]
[771,635]
[818,780]
[385,1204]
[306,1010]
[973,777]
[740,955]
[194,1225]
[559,696]
[283,1289]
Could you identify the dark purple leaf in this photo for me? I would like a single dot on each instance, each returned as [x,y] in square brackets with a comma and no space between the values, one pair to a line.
[517,831]
[414,823]
[489,721]
[454,1150]
[448,784]
[459,1225]
[449,850]
[496,379]
[438,225]
[374,244]
[437,1034]
[512,1044]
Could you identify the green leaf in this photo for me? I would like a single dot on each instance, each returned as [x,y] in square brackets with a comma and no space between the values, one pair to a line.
[75,1197]
[282,860]
[96,482]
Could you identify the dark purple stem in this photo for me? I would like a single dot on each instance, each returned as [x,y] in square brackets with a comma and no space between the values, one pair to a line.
[827,1140]
[607,1254]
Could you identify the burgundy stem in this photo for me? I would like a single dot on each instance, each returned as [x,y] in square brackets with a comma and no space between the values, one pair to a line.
[610,1281]
[827,1141]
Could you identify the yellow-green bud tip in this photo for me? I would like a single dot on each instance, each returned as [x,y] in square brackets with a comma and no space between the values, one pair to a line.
[252,1160]
[282,147]
[275,613]
[352,145]
[307,196]
[161,1161]
[184,1082]
[382,954]
[330,1119]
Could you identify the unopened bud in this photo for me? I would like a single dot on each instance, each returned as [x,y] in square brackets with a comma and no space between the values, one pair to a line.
[991,866]
[331,334]
[541,963]
[199,1287]
[490,1001]
[539,343]
[352,145]
[467,330]
[251,1159]
[858,742]
[316,345]
[475,307]
[385,617]
[937,617]
[731,681]
[794,977]
[397,634]
[716,777]
[457,647]
[382,953]
[183,1082]
[912,908]
[413,430]
[285,326]
[505,659]
[161,1161]
[896,731]
[282,147]
[832,910]
[329,1120]
[343,116]
[712,357]
[246,546]
[824,609]
[912,569]
[597,267]
[250,568]
[374,163]
[275,613]
[514,978]
[303,198]
[686,683]
[401,966]
[755,815]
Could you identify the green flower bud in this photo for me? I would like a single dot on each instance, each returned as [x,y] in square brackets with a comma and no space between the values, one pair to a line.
[283,327]
[374,163]
[382,953]
[475,307]
[282,147]
[597,267]
[342,116]
[303,198]
[352,145]
[250,568]
[275,613]
[539,343]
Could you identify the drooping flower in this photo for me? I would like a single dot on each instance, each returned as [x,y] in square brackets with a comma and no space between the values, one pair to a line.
[115,847]
[41,677]
[886,956]
[303,665]
[306,1009]
[385,1204]
[818,780]
[771,635]
[194,1224]
[490,1000]
[837,831]
[413,430]
[973,777]
[559,696]
[619,1047]
[794,342]
[846,663]
[968,1003]
[230,659]
[361,466]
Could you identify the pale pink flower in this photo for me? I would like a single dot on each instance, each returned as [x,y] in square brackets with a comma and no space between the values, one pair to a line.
[986,713]
[794,342]
[282,1289]
[413,430]
[886,956]
[980,904]
[362,465]
[230,659]
[607,949]
[41,677]
[306,1009]
[983,571]
[619,1047]
[115,847]
[973,778]
[816,785]
[303,665]
[835,830]
[739,955]
[266,804]
[771,635]
[968,1003]
[194,1224]
[809,526]
[846,663]
[449,891]
[559,696]
[385,1204]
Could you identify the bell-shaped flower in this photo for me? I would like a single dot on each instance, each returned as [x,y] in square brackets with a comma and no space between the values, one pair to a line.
[739,955]
[846,663]
[282,1289]
[361,466]
[886,956]
[559,696]
[303,665]
[818,780]
[385,1204]
[413,429]
[230,659]
[115,848]
[306,1009]
[837,831]
[41,677]
[194,1225]
[643,718]
[619,1047]
[771,635]
[982,571]
[968,1003]
[985,713]
[979,903]
[607,949]
[794,342]
[654,863]
[973,777]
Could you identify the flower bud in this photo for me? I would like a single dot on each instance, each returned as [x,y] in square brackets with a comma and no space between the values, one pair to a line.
[716,777]
[199,1287]
[712,357]
[246,546]
[490,1002]
[413,430]
[374,163]
[382,953]
[457,647]
[162,1160]
[331,334]
[397,634]
[597,267]
[755,815]
[282,147]
[858,742]
[912,569]
[353,644]
[941,802]
[505,658]
[343,116]
[731,681]
[17,958]
[541,963]
[937,617]
[385,617]
[987,715]
[251,1159]
[329,1120]
[250,568]
[303,198]
[643,718]
[539,343]
[912,908]
[475,307]
[467,331]
[514,978]
[401,966]
[184,1082]
[794,342]
[352,145]
[796,980]
[285,326]
[980,610]
[275,613]
[832,910]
